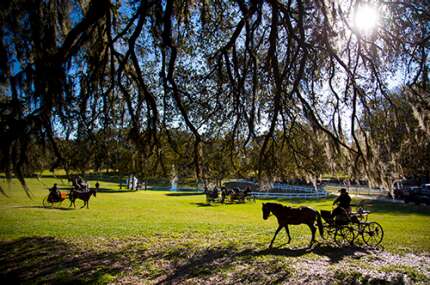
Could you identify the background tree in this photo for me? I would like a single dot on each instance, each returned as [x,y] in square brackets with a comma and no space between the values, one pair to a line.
[246,69]
[400,147]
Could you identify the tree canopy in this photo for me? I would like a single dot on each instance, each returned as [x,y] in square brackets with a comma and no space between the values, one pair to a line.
[255,74]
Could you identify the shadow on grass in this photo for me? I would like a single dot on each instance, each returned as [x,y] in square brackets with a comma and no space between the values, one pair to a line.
[213,261]
[184,194]
[199,204]
[107,190]
[335,254]
[46,260]
[65,208]
[205,263]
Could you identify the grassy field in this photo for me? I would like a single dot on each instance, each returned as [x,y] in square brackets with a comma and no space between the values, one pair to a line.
[163,237]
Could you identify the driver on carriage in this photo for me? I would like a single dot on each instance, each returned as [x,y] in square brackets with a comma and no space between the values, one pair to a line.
[81,184]
[53,191]
[343,210]
[223,194]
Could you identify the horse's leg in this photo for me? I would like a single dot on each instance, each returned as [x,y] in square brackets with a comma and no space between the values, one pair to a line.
[85,202]
[71,198]
[313,230]
[72,201]
[276,233]
[288,233]
[88,203]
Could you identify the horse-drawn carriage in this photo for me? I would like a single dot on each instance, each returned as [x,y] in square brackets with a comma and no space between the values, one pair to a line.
[80,190]
[214,195]
[345,230]
[224,195]
[236,195]
[54,199]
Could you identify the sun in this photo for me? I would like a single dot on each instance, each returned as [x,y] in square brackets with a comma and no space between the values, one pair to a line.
[366,18]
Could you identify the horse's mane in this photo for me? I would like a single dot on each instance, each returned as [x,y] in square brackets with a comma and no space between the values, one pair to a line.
[278,206]
[273,204]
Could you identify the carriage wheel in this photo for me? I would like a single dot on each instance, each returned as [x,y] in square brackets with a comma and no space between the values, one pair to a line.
[344,236]
[372,234]
[363,218]
[46,203]
[59,203]
[329,231]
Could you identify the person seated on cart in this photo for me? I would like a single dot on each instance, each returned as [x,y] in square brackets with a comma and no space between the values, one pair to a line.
[211,193]
[236,192]
[223,194]
[247,191]
[82,185]
[342,212]
[53,192]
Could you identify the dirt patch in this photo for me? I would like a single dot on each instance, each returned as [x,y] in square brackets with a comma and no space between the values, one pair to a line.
[374,267]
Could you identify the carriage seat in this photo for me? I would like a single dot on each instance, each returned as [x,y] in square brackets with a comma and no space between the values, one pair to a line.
[338,220]
[326,215]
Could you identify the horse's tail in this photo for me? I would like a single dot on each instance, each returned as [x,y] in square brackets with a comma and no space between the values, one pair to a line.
[320,224]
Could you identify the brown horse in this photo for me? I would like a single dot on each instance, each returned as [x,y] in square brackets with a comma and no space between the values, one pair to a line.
[293,216]
[84,196]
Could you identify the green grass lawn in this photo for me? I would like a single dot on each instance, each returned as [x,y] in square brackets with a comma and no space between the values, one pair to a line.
[176,227]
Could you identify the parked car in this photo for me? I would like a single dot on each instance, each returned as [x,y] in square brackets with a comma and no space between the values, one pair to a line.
[418,195]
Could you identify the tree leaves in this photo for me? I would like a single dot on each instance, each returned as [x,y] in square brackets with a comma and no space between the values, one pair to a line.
[237,69]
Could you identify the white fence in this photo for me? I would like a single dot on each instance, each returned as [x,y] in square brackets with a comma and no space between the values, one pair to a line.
[285,191]
[307,195]
[296,188]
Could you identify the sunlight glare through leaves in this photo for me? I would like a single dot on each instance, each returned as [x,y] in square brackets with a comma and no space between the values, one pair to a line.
[366,18]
